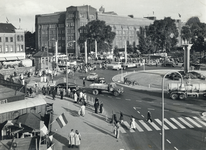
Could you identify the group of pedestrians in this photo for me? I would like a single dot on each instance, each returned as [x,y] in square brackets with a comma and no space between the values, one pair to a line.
[98,106]
[117,123]
[74,138]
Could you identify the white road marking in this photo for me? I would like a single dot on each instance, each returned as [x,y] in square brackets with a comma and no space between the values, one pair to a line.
[151,109]
[204,118]
[138,111]
[199,120]
[175,148]
[195,123]
[139,128]
[128,126]
[145,125]
[168,141]
[154,125]
[128,99]
[138,107]
[169,123]
[178,123]
[134,108]
[142,116]
[160,123]
[185,122]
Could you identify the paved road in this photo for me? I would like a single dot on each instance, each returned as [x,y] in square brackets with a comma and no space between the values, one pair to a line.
[184,122]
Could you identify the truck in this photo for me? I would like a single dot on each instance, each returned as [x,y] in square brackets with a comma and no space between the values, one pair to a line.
[182,91]
[111,88]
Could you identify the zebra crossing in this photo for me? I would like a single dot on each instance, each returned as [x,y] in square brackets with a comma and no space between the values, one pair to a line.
[169,124]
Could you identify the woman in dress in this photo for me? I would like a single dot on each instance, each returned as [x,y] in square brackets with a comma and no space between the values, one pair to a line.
[72,138]
[77,138]
[132,124]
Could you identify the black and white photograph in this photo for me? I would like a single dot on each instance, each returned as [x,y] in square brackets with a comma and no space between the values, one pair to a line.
[102,75]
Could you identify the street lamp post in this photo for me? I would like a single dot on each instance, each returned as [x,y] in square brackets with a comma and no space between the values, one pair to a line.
[67,67]
[163,131]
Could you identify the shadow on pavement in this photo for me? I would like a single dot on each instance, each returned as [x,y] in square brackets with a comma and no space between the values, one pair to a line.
[99,128]
[60,138]
[72,112]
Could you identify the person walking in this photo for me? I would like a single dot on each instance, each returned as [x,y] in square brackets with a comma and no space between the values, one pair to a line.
[61,93]
[71,138]
[121,118]
[75,97]
[132,123]
[101,107]
[149,116]
[43,90]
[53,94]
[77,138]
[82,110]
[96,105]
[58,91]
[117,126]
[83,82]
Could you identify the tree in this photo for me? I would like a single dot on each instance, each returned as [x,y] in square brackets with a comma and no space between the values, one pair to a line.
[29,41]
[162,34]
[99,31]
[186,33]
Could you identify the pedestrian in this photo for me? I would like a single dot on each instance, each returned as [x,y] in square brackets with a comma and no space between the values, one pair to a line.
[132,123]
[75,97]
[101,107]
[82,110]
[61,93]
[64,91]
[84,97]
[30,91]
[80,96]
[96,105]
[53,93]
[71,138]
[149,116]
[114,118]
[77,138]
[83,82]
[121,118]
[43,90]
[117,126]
[58,91]
[69,92]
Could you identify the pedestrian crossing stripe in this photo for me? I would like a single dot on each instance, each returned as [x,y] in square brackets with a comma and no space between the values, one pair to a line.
[160,123]
[185,122]
[168,122]
[196,124]
[178,123]
[171,123]
[145,125]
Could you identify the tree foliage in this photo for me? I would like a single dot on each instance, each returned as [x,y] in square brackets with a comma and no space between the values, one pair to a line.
[99,31]
[195,32]
[161,35]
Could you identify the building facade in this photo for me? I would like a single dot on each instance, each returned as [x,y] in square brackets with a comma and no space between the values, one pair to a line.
[63,27]
[12,43]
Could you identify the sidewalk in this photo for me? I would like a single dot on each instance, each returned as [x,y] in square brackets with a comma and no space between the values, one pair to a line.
[96,132]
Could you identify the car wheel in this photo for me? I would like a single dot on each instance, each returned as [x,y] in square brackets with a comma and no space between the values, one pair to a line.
[116,93]
[95,92]
[182,96]
[174,96]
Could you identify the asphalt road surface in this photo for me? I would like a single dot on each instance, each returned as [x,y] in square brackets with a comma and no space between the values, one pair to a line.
[185,129]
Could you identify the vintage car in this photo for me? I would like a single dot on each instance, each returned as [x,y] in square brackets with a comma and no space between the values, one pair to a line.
[129,65]
[115,66]
[92,76]
[70,85]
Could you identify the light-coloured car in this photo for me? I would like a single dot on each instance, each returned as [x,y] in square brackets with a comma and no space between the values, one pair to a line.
[92,76]
[129,65]
[115,66]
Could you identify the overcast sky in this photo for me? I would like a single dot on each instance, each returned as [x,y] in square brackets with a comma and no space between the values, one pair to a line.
[27,9]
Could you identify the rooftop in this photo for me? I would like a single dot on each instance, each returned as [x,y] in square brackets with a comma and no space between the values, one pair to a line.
[7,28]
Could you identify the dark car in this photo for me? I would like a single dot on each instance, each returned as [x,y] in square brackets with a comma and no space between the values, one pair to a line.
[70,85]
[198,75]
[173,76]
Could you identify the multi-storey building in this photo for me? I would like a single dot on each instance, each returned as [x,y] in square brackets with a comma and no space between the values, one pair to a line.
[63,27]
[12,43]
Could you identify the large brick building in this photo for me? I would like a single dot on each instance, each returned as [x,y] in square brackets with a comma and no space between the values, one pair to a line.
[63,27]
[12,43]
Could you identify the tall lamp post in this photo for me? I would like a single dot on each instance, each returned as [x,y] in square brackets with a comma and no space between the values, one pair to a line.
[163,131]
[67,67]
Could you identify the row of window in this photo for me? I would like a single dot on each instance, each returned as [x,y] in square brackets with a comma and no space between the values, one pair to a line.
[46,26]
[20,38]
[125,32]
[10,48]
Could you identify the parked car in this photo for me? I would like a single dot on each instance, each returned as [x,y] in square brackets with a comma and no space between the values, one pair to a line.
[100,80]
[70,85]
[92,76]
[129,65]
